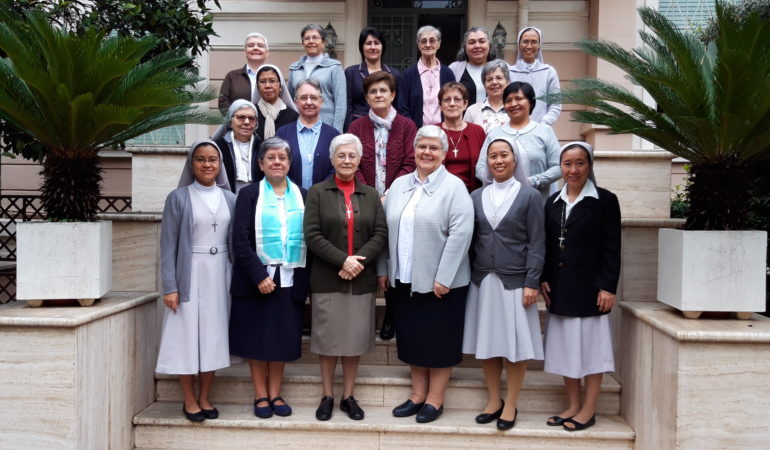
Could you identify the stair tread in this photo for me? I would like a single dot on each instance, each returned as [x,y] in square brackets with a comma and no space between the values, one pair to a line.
[398,375]
[453,421]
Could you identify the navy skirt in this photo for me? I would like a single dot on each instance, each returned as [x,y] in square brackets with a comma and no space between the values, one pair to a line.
[429,330]
[267,327]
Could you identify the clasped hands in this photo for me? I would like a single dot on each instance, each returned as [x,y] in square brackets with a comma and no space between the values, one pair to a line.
[351,267]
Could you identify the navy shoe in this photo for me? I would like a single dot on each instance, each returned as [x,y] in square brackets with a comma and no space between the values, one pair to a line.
[280,410]
[199,416]
[429,413]
[212,413]
[263,412]
[408,408]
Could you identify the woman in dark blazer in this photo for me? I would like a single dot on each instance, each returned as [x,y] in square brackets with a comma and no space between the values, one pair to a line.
[270,283]
[371,46]
[309,165]
[410,101]
[580,278]
[345,229]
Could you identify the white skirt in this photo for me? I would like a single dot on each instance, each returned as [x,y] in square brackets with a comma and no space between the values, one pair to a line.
[578,346]
[195,338]
[498,325]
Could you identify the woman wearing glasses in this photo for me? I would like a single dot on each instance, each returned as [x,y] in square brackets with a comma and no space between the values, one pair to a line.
[317,65]
[239,145]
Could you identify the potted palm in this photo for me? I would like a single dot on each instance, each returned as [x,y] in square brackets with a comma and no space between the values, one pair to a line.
[713,109]
[76,95]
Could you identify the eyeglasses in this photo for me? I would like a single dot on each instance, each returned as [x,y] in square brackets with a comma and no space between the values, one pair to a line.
[344,156]
[312,37]
[312,98]
[528,42]
[201,160]
[244,118]
[499,79]
[266,81]
[272,158]
[425,41]
[448,100]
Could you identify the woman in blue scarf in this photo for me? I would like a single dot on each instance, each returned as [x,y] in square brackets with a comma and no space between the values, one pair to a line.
[269,284]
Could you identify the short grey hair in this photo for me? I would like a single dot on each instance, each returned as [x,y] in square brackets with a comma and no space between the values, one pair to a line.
[463,56]
[493,65]
[432,131]
[238,105]
[273,143]
[428,29]
[345,139]
[258,36]
[310,82]
[313,26]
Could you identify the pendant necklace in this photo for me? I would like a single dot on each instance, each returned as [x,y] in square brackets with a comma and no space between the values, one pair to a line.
[455,144]
[213,211]
[563,232]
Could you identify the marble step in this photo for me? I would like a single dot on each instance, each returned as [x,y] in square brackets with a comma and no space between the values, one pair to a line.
[162,426]
[387,386]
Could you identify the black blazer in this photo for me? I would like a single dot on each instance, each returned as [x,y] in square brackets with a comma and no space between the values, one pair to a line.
[248,270]
[470,86]
[228,159]
[590,260]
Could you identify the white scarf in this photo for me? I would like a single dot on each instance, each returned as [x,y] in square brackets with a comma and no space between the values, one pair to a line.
[270,112]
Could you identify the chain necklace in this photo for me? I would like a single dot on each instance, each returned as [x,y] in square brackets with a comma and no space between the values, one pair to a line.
[455,144]
[563,231]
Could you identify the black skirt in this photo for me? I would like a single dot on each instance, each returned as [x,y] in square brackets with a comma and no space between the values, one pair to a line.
[429,330]
[266,328]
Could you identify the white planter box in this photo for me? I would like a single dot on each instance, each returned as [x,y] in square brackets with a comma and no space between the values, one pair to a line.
[712,270]
[63,260]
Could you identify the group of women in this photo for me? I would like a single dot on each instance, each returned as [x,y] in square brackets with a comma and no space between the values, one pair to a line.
[395,205]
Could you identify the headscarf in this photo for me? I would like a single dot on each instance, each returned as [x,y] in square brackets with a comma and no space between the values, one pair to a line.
[521,171]
[590,151]
[539,56]
[188,177]
[269,111]
[235,106]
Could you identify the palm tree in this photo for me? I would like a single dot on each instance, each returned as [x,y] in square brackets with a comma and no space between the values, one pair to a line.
[79,94]
[713,106]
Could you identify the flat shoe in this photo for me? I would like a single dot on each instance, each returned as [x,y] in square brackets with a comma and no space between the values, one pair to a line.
[503,424]
[429,413]
[199,416]
[212,413]
[386,331]
[580,426]
[324,411]
[488,417]
[263,412]
[556,421]
[408,408]
[350,406]
[280,410]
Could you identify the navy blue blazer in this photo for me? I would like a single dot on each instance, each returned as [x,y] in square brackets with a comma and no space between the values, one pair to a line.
[322,165]
[248,269]
[590,259]
[409,97]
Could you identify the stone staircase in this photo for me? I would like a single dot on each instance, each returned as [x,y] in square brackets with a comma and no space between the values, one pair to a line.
[382,382]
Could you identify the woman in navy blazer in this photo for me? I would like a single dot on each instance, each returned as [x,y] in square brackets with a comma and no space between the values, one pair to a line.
[270,283]
[308,166]
[409,101]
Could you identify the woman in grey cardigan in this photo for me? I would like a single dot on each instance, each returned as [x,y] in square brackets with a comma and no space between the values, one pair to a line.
[502,327]
[196,268]
[430,225]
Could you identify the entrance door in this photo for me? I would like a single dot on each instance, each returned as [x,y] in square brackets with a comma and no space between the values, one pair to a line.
[399,21]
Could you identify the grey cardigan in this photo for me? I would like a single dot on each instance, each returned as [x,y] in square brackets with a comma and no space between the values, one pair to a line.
[515,250]
[443,228]
[176,241]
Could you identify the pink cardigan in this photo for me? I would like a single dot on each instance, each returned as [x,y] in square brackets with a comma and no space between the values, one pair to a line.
[400,149]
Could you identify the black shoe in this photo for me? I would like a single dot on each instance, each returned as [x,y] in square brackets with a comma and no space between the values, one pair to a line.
[324,411]
[486,417]
[199,416]
[263,412]
[503,425]
[408,408]
[212,413]
[387,331]
[429,413]
[556,421]
[580,426]
[350,406]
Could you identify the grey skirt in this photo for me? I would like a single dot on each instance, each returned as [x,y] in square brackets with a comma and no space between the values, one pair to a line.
[342,323]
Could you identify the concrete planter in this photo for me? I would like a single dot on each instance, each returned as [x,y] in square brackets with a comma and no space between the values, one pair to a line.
[63,260]
[712,271]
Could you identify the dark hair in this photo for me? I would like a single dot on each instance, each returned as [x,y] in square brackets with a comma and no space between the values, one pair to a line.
[462,55]
[365,33]
[525,89]
[376,77]
[451,86]
[265,69]
[573,146]
[273,143]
